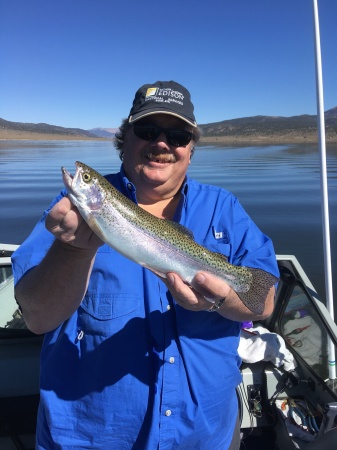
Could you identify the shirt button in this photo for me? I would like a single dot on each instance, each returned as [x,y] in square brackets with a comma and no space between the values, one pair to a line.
[168,307]
[129,186]
[168,412]
[80,335]
[171,360]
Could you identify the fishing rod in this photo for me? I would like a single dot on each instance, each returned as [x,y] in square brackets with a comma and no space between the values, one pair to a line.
[324,186]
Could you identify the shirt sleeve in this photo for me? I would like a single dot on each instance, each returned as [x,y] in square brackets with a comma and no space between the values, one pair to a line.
[33,249]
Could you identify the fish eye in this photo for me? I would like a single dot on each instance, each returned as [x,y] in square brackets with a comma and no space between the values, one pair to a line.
[86,177]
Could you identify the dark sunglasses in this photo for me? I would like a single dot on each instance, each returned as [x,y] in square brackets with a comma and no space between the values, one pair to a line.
[177,138]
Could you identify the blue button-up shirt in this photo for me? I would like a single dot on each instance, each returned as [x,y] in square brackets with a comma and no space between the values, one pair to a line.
[131,369]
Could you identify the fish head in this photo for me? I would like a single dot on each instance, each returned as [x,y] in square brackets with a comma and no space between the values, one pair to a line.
[84,188]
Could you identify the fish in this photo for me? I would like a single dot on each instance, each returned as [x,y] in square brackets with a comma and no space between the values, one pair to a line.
[159,245]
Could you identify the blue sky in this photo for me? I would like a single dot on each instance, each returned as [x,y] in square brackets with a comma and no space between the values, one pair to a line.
[78,63]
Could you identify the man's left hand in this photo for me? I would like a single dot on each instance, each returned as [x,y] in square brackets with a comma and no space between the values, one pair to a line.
[204,290]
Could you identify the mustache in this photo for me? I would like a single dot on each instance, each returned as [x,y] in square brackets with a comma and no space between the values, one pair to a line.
[160,157]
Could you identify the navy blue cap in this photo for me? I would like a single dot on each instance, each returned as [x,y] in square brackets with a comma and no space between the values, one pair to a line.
[163,97]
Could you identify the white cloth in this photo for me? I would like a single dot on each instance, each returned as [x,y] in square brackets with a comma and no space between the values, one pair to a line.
[259,344]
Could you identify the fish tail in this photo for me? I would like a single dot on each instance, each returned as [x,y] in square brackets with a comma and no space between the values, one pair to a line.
[261,284]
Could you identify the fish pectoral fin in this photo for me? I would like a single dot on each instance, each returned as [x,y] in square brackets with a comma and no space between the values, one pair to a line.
[95,228]
[156,272]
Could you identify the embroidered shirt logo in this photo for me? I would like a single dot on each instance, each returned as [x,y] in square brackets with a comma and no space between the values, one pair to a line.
[221,236]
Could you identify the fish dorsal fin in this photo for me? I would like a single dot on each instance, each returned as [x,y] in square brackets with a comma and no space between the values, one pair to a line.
[182,229]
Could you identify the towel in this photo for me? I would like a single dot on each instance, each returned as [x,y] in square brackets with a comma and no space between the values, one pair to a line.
[259,344]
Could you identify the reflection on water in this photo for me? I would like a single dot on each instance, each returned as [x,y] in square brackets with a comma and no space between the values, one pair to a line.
[278,185]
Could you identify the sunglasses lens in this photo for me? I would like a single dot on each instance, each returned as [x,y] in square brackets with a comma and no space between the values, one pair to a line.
[147,132]
[177,138]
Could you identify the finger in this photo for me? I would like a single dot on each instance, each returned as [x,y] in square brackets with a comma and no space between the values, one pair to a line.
[64,220]
[207,283]
[71,221]
[58,212]
[180,289]
[184,294]
[85,236]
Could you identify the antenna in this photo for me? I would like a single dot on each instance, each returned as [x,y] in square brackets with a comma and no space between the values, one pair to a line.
[324,187]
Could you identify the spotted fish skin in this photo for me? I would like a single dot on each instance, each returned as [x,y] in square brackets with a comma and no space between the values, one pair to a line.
[160,245]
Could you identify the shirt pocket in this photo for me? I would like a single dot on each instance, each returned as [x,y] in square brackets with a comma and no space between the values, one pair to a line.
[108,313]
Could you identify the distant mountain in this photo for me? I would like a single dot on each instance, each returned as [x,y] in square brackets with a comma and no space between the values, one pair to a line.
[301,128]
[331,113]
[43,128]
[104,132]
[295,127]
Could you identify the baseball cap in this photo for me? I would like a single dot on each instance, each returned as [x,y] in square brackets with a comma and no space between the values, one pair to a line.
[163,97]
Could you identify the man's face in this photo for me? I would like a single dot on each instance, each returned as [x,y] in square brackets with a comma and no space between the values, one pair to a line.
[157,164]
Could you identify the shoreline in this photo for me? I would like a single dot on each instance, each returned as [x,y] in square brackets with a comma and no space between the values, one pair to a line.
[12,135]
[286,139]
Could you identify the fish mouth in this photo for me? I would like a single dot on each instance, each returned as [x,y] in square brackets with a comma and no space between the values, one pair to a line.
[161,158]
[67,178]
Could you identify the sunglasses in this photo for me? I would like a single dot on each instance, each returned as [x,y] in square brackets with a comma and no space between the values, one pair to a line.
[177,138]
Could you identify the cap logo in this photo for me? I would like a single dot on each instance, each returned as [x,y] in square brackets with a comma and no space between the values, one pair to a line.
[150,92]
[166,95]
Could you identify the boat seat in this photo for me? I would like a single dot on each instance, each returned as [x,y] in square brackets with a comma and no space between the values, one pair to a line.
[327,441]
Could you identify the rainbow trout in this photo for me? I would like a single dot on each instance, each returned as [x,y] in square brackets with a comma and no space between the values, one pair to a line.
[160,245]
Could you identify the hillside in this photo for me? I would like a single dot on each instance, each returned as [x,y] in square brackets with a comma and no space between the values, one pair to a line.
[301,128]
[296,128]
[19,130]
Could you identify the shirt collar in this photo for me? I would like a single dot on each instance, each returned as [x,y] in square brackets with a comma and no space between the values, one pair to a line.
[128,186]
[130,190]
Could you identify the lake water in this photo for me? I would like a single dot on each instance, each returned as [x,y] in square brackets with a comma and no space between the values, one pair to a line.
[278,185]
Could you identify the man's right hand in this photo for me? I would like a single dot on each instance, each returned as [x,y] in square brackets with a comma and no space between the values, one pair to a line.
[66,223]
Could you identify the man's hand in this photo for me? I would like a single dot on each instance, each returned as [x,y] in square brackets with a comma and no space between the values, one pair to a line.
[207,286]
[66,223]
[205,289]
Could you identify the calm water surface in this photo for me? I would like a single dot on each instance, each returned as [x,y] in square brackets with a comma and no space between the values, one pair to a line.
[278,185]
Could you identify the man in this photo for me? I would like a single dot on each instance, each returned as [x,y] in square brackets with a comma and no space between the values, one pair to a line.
[131,361]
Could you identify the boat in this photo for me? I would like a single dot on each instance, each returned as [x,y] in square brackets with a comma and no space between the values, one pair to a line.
[287,398]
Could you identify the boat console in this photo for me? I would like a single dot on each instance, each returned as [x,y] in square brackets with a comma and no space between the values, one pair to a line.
[285,406]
